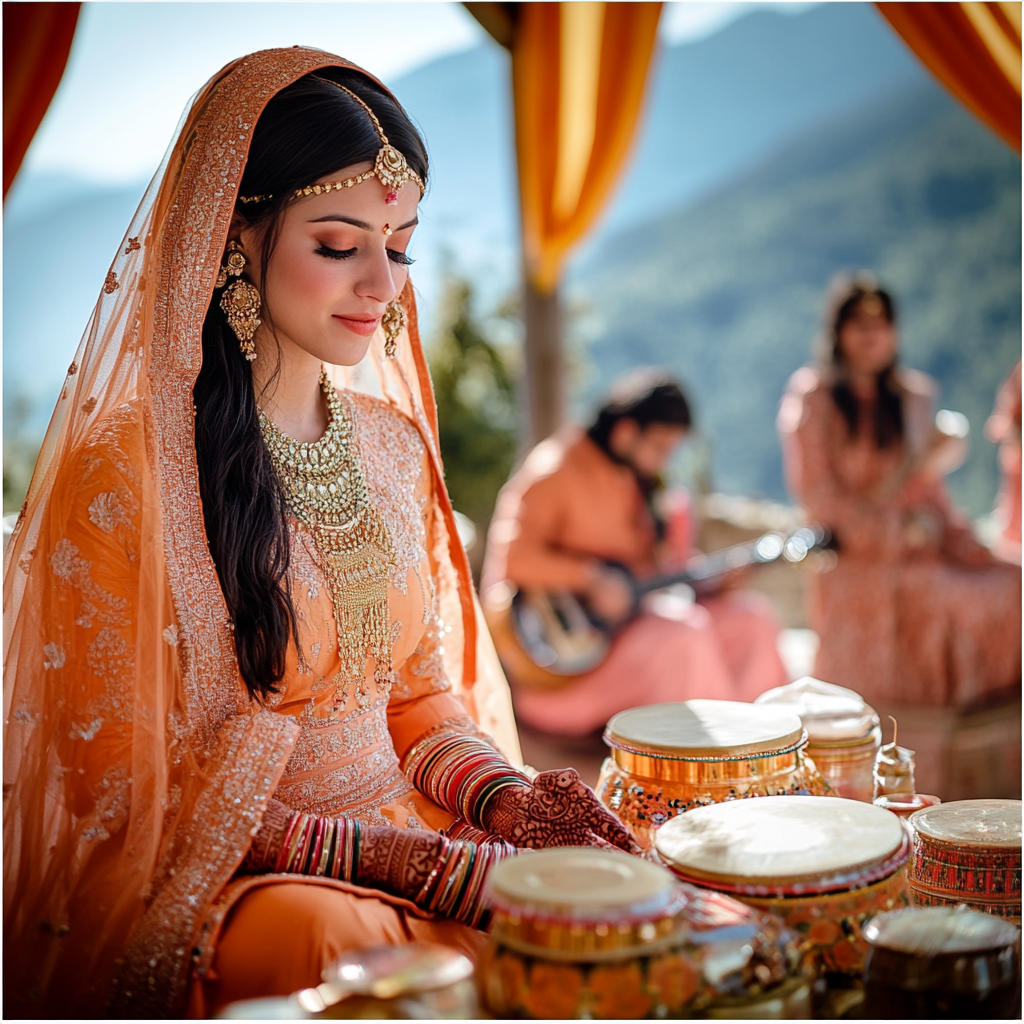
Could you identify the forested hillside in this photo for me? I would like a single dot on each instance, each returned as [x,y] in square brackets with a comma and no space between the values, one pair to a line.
[728,291]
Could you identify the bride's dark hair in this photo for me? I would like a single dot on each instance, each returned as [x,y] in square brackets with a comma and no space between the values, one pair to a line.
[309,130]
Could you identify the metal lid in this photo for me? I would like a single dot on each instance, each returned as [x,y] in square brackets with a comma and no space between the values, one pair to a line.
[789,845]
[831,714]
[987,823]
[581,884]
[931,931]
[705,729]
[386,972]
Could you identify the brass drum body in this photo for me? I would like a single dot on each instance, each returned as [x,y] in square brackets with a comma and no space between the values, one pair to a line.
[585,933]
[843,733]
[670,758]
[825,867]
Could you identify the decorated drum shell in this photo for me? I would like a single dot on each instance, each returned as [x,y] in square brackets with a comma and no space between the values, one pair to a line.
[586,933]
[670,758]
[932,962]
[843,732]
[825,867]
[968,851]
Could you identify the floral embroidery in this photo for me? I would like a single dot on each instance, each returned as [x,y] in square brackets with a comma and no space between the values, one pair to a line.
[85,732]
[133,246]
[110,659]
[54,656]
[393,457]
[26,560]
[106,512]
[110,285]
[170,635]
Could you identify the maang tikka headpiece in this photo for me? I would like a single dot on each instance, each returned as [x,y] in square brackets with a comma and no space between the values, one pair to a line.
[390,168]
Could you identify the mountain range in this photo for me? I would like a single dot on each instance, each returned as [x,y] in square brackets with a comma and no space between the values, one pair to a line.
[728,118]
[728,291]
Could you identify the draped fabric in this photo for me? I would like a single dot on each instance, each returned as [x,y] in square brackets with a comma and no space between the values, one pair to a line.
[37,41]
[136,768]
[579,72]
[974,49]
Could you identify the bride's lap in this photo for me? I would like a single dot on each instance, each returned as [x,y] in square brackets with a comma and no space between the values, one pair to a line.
[279,937]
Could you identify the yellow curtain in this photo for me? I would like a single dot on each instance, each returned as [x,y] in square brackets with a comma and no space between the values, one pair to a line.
[974,50]
[37,41]
[579,72]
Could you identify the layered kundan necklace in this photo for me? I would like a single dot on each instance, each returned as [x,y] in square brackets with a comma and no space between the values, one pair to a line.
[325,488]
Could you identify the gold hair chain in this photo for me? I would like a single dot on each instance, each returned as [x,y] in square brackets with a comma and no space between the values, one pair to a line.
[390,168]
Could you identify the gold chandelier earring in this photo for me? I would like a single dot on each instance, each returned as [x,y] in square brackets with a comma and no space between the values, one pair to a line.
[393,321]
[240,301]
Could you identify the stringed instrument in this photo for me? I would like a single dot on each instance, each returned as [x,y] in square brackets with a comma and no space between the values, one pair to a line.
[546,639]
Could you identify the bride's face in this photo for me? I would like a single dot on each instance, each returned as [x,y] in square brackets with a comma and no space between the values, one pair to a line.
[338,261]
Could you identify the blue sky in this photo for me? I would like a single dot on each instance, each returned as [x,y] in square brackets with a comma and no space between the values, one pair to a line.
[134,66]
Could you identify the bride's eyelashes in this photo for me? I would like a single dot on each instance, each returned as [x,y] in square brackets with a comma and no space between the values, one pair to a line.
[334,254]
[343,254]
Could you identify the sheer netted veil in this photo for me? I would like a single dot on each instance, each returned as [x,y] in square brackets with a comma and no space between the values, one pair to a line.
[135,765]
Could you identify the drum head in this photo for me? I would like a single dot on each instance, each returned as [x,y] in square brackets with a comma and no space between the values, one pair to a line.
[931,931]
[988,823]
[831,714]
[706,729]
[580,883]
[792,845]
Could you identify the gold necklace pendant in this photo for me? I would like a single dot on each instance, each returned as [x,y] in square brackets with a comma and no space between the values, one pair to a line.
[325,488]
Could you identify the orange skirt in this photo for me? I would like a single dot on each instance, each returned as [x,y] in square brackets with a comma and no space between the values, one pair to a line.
[279,933]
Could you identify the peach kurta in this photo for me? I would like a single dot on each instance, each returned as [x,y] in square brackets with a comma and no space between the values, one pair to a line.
[346,761]
[570,505]
[915,612]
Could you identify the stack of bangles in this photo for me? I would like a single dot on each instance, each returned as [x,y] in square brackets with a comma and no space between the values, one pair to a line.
[320,846]
[461,773]
[454,888]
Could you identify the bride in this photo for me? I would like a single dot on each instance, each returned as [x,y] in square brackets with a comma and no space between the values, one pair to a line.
[250,718]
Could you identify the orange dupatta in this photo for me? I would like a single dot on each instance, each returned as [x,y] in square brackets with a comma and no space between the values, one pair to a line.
[135,766]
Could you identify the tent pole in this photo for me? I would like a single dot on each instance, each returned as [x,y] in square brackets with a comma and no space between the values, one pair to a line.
[545,361]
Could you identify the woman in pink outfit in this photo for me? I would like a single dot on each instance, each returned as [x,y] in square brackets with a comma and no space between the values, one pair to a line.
[917,611]
[585,498]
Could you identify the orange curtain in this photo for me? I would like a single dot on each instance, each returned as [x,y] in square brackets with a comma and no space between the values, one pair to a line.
[37,41]
[579,72]
[974,50]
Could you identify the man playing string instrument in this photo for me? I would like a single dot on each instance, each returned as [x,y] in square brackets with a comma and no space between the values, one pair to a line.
[584,499]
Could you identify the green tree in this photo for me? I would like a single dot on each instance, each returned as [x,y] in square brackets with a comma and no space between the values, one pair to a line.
[476,409]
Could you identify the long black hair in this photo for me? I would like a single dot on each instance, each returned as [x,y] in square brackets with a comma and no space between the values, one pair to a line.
[309,130]
[846,296]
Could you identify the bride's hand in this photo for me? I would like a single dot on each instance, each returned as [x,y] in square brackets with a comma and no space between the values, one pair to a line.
[559,809]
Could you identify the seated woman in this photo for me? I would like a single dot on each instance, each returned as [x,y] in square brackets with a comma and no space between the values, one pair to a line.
[916,612]
[586,498]
[243,689]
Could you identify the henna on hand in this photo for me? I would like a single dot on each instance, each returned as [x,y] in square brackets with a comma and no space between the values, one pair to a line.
[266,844]
[396,860]
[559,809]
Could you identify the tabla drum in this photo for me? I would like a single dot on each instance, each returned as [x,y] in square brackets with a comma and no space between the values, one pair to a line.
[669,758]
[824,866]
[941,963]
[598,934]
[843,733]
[968,851]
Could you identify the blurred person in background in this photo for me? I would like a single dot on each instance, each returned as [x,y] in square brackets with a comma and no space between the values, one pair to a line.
[1003,429]
[586,498]
[234,735]
[916,611]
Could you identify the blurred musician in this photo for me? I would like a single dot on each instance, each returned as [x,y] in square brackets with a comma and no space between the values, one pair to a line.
[583,499]
[917,611]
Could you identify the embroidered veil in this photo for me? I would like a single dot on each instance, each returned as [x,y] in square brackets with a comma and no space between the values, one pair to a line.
[135,765]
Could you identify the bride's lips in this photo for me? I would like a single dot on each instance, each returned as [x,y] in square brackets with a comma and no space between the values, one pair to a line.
[364,326]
